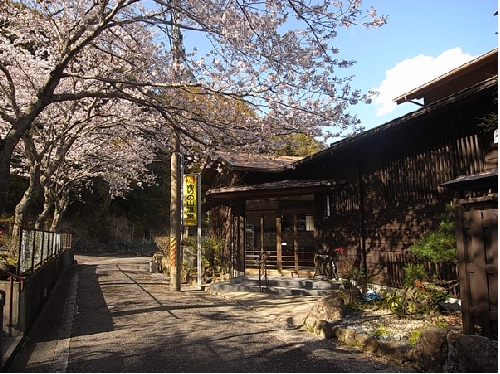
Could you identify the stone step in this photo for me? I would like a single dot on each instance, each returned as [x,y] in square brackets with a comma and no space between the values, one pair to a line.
[305,283]
[278,286]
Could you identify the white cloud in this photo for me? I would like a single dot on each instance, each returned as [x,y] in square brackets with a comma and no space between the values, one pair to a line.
[412,73]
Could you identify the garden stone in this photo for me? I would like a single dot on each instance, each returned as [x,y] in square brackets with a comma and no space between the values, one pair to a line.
[371,345]
[396,352]
[348,337]
[327,308]
[362,340]
[471,353]
[431,350]
[324,329]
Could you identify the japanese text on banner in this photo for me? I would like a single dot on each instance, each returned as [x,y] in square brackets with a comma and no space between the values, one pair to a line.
[190,200]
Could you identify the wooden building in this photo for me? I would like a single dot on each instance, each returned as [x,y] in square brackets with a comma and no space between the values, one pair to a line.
[373,194]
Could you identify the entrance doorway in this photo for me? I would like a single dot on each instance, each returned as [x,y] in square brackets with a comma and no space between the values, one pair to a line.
[287,235]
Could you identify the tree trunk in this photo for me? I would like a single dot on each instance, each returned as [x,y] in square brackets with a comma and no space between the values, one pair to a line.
[60,205]
[48,204]
[28,198]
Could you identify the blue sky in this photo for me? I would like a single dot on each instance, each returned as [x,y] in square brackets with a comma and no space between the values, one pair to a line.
[421,40]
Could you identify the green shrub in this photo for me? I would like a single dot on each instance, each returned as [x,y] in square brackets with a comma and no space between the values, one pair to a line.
[421,293]
[439,245]
[425,298]
[414,272]
[8,259]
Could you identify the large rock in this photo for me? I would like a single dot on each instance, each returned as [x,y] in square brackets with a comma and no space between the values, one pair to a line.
[328,308]
[431,350]
[471,354]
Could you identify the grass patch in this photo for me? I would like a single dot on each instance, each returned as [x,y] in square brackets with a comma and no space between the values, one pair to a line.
[415,334]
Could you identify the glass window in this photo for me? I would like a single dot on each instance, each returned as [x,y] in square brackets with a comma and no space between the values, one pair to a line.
[309,222]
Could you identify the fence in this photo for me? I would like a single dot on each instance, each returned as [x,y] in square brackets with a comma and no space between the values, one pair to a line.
[477,238]
[38,246]
[447,272]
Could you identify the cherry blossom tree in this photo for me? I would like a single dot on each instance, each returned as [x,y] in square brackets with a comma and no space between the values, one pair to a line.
[277,57]
[82,140]
[116,160]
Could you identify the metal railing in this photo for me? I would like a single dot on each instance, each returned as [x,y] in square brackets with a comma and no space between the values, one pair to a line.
[38,246]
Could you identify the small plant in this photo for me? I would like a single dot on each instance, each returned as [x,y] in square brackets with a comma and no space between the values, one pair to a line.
[212,248]
[441,324]
[415,334]
[425,297]
[380,331]
[211,253]
[397,304]
[163,243]
[353,277]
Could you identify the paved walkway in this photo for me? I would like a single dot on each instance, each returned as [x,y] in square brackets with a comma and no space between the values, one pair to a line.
[109,314]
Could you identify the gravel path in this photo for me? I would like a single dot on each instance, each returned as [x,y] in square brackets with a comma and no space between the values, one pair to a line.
[109,314]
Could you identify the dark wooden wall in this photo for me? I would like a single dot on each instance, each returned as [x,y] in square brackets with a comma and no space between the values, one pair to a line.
[391,194]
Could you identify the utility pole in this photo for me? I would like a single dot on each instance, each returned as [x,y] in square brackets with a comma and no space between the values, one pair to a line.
[175,214]
[175,162]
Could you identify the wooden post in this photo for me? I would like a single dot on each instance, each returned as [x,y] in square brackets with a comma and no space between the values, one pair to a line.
[295,244]
[239,233]
[362,232]
[176,165]
[198,230]
[279,246]
[261,222]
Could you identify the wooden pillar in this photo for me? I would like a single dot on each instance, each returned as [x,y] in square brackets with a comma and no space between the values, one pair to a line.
[318,223]
[279,246]
[362,231]
[261,234]
[239,237]
[295,244]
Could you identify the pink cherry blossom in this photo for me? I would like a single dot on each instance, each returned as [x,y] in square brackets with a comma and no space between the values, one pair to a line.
[270,68]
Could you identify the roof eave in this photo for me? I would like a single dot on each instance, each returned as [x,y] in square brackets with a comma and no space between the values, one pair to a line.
[273,189]
[419,92]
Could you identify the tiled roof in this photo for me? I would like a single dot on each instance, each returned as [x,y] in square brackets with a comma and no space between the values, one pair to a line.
[488,177]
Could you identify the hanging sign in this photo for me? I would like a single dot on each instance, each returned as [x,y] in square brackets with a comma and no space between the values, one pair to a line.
[190,200]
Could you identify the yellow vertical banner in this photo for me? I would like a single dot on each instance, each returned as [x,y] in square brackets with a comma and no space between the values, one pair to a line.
[190,200]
